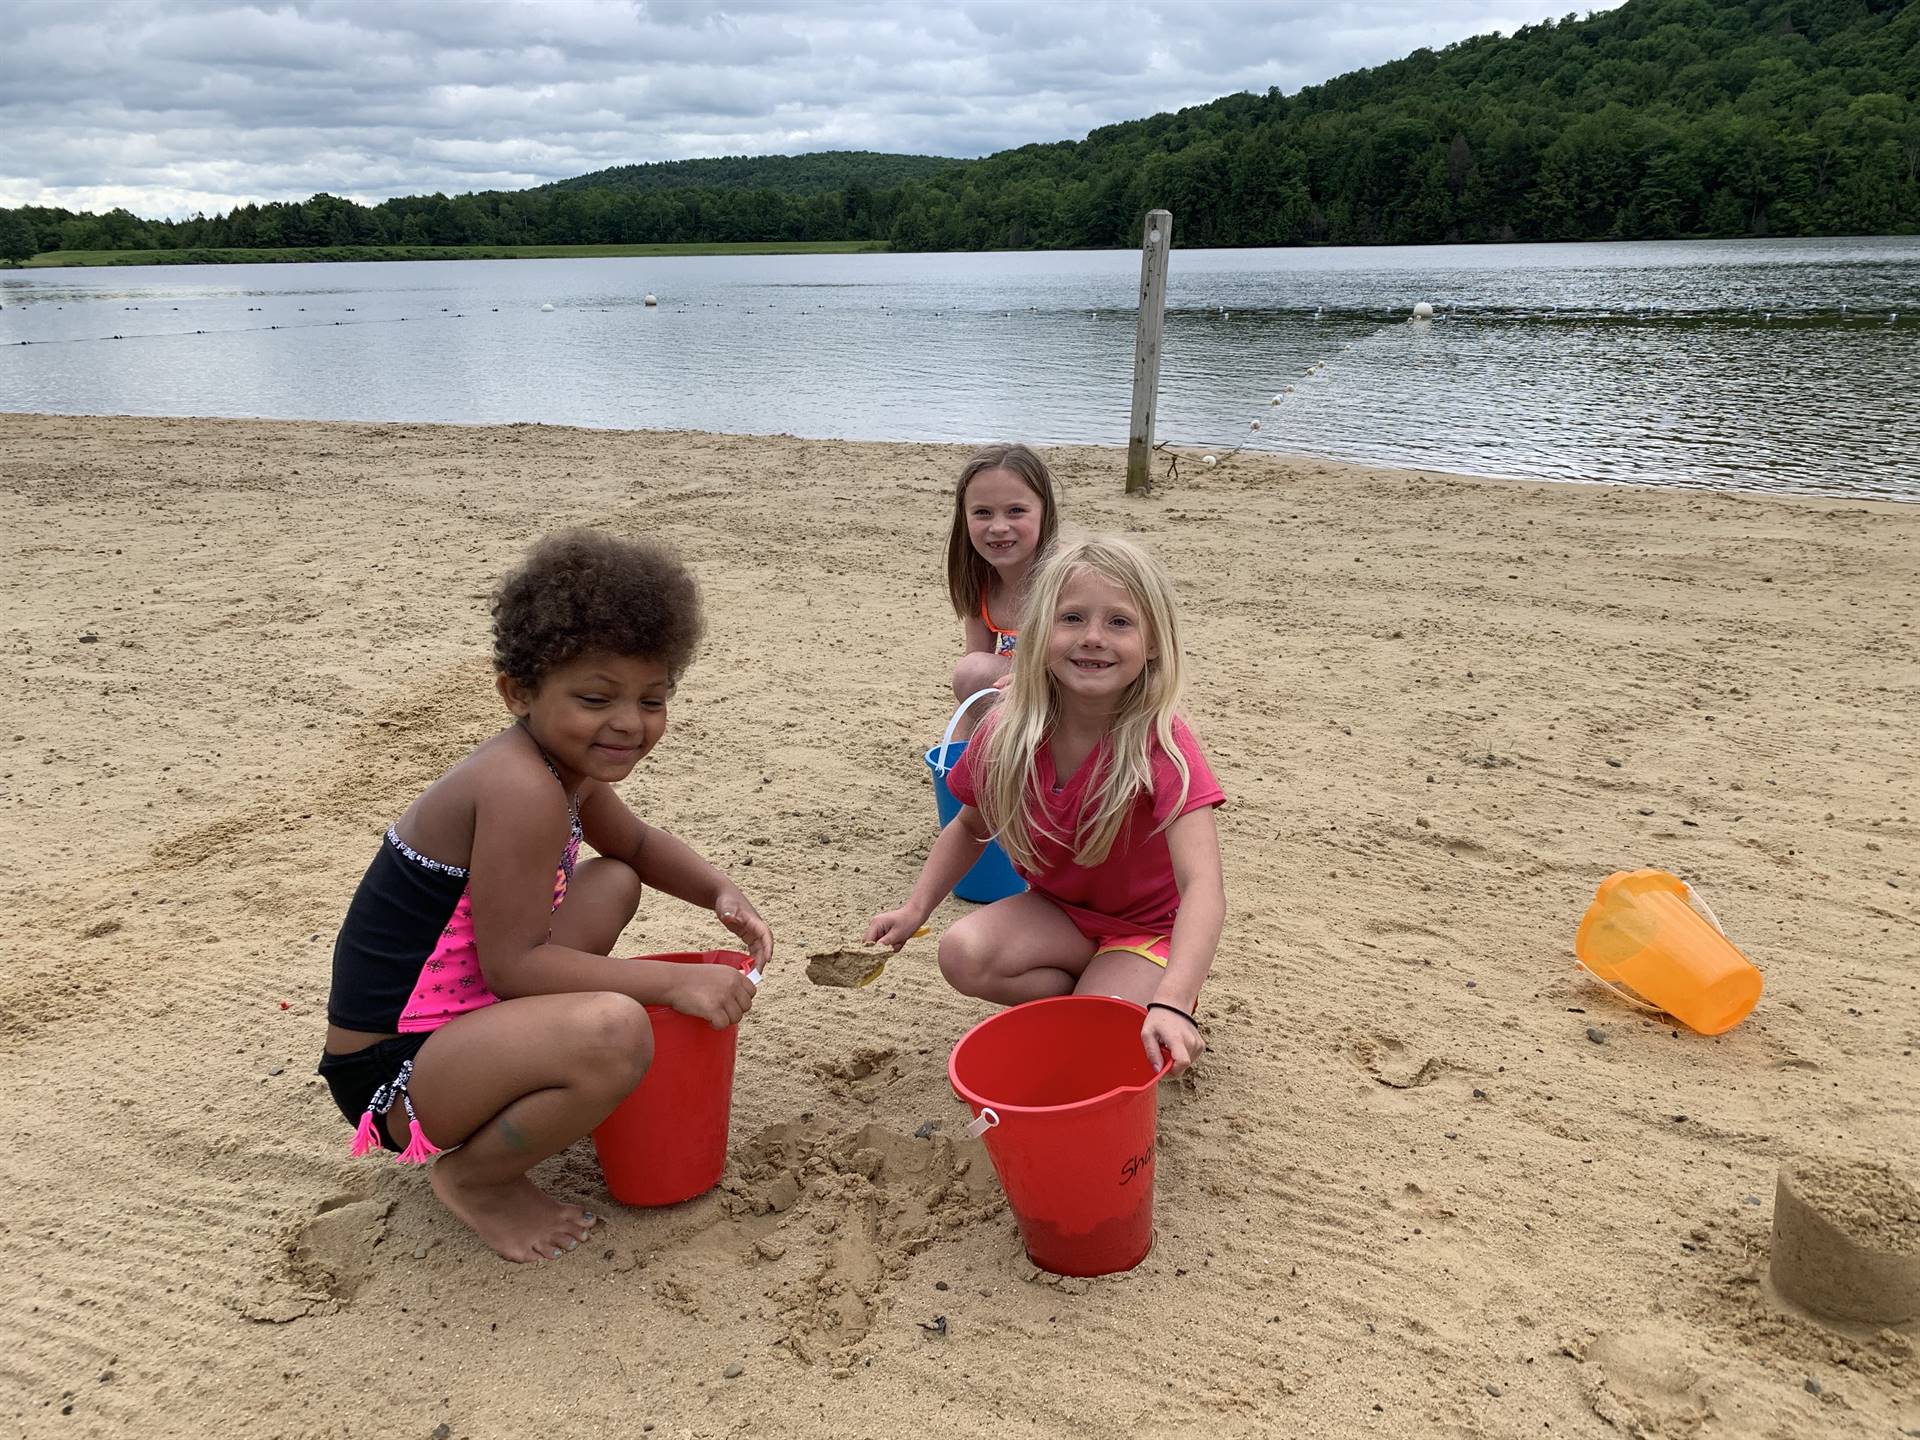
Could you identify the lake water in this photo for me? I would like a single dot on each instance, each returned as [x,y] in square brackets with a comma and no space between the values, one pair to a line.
[1778,365]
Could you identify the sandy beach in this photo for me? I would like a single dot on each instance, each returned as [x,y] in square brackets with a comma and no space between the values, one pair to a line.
[1429,1180]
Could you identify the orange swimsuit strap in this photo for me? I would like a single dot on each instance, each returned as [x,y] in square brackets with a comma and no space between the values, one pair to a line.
[988,619]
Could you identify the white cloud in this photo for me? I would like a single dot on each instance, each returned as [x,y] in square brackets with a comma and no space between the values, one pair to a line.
[171,106]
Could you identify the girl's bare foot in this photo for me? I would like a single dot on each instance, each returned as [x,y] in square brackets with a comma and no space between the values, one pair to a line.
[515,1219]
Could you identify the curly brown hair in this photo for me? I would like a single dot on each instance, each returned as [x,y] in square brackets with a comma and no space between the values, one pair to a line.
[580,592]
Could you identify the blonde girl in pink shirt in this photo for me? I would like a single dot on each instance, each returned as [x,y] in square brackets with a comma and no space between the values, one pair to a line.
[1101,797]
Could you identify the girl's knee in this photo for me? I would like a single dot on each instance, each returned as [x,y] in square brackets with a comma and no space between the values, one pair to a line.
[615,1043]
[617,881]
[961,965]
[975,671]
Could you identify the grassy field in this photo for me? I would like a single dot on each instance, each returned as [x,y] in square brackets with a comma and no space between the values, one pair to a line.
[439,252]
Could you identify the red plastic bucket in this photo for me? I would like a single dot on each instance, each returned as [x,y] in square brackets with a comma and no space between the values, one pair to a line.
[1069,1105]
[667,1141]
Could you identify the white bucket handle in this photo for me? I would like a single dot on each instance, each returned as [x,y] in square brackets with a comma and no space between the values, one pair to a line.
[940,766]
[982,1122]
[1693,899]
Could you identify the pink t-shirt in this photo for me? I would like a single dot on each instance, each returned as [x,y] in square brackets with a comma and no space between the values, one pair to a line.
[1133,889]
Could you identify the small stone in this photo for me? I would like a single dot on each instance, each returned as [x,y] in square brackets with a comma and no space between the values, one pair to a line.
[733,1371]
[278,1070]
[1751,1200]
[1479,1094]
[1453,1134]
[926,1128]
[1473,984]
[1494,1390]
[87,637]
[769,1248]
[442,1431]
[939,1284]
[1421,821]
[1596,1035]
[419,1252]
[1813,1386]
[1646,810]
[1612,763]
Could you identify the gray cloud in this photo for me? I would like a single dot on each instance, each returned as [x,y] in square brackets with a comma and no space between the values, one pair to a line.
[168,106]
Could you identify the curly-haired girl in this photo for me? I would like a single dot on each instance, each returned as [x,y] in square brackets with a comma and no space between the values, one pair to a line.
[475,1010]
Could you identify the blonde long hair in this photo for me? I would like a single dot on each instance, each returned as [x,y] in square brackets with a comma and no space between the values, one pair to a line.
[968,572]
[1025,718]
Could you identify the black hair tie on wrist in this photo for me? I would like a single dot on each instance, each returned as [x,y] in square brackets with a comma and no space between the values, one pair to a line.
[1162,1005]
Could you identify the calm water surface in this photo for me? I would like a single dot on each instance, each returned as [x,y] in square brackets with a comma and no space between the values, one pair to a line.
[1781,366]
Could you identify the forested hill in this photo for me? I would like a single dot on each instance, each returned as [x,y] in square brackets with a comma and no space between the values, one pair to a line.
[815,174]
[1660,118]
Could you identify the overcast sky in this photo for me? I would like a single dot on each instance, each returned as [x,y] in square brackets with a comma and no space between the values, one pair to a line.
[171,106]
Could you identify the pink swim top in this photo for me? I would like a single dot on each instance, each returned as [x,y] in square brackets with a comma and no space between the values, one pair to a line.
[406,960]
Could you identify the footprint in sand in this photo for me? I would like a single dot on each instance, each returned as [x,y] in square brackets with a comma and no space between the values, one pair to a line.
[868,1069]
[1388,1061]
[1642,1382]
[837,1215]
[323,1260]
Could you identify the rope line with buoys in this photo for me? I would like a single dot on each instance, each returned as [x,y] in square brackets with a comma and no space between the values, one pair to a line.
[238,330]
[1423,313]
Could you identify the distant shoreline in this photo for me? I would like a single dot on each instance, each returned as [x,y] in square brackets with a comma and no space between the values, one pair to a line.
[290,255]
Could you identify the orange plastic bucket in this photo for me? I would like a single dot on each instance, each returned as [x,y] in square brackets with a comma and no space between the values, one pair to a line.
[1069,1106]
[667,1141]
[1645,933]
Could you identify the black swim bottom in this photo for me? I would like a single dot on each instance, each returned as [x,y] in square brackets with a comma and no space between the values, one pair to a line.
[354,1078]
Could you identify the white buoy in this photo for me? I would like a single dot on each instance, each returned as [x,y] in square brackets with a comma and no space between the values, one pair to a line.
[1278,398]
[650,299]
[546,309]
[1423,311]
[1253,425]
[1209,460]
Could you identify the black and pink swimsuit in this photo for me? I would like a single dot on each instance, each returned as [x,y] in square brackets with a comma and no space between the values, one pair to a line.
[405,963]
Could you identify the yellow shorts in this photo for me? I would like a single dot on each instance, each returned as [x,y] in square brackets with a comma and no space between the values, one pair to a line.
[1148,947]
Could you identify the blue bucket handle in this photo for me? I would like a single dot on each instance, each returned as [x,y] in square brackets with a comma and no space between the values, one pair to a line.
[940,765]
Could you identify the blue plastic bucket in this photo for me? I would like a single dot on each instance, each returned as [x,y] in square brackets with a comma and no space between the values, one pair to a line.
[992,876]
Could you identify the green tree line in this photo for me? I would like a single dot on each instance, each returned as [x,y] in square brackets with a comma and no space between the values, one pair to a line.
[811,174]
[1660,119]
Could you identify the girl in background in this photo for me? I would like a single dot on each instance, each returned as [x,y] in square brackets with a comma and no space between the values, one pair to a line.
[1005,514]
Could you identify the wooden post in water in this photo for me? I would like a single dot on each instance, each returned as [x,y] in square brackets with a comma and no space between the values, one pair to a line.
[1155,244]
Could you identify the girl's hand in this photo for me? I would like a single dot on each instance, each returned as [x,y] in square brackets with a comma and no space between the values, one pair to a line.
[736,912]
[1175,1034]
[717,994]
[893,928]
